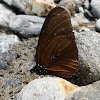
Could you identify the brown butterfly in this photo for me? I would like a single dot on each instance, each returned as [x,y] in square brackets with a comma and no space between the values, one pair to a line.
[57,52]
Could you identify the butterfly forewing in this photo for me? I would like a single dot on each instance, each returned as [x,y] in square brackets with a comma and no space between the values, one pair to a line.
[56,47]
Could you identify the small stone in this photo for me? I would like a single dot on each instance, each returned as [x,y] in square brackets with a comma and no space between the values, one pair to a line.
[3,65]
[95,8]
[39,7]
[73,5]
[7,42]
[80,18]
[74,23]
[12,82]
[86,4]
[97,26]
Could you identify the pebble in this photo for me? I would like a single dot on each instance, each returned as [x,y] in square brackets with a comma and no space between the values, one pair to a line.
[39,7]
[97,25]
[88,92]
[7,42]
[95,8]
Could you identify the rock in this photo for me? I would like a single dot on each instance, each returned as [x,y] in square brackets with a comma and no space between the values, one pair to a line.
[74,23]
[7,42]
[47,88]
[80,18]
[12,82]
[3,65]
[19,4]
[88,44]
[5,15]
[26,25]
[95,8]
[39,7]
[97,26]
[89,92]
[9,56]
[73,5]
[6,58]
[29,65]
[81,10]
[86,4]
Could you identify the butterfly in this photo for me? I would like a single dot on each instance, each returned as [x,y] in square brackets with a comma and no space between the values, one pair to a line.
[57,52]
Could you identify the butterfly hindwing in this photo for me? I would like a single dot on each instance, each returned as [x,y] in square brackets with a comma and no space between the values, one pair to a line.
[56,47]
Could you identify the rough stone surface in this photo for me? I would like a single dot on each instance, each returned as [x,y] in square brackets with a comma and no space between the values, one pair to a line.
[97,26]
[20,4]
[74,23]
[95,8]
[88,44]
[26,25]
[89,92]
[6,58]
[39,7]
[73,5]
[3,64]
[80,18]
[5,15]
[86,4]
[47,88]
[7,42]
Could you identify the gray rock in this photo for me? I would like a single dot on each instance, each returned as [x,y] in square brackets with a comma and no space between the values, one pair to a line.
[95,8]
[47,88]
[7,42]
[6,58]
[5,15]
[97,26]
[3,65]
[80,18]
[9,56]
[12,82]
[74,23]
[20,4]
[72,4]
[88,44]
[26,25]
[89,92]
[86,4]
[40,8]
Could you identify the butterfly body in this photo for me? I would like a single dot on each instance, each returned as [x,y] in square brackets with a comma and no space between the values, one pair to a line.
[57,51]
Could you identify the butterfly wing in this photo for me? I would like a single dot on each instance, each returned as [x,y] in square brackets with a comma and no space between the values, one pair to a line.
[56,47]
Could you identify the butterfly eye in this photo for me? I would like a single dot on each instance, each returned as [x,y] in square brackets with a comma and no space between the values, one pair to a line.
[55,34]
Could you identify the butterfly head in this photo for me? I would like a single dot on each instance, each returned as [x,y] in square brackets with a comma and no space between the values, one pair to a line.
[39,69]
